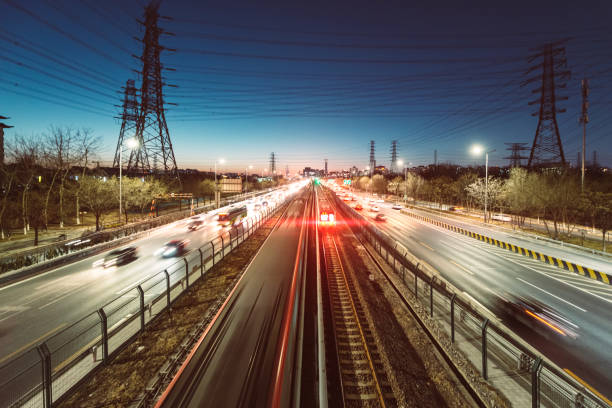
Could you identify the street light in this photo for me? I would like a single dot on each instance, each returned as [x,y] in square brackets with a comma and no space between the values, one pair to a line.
[476,151]
[131,144]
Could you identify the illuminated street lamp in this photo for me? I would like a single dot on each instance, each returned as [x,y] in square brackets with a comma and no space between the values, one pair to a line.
[131,144]
[477,151]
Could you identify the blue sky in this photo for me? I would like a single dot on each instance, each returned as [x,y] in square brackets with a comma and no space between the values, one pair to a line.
[311,81]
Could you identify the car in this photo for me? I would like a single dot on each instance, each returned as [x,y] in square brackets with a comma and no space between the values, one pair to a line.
[501,217]
[536,315]
[380,200]
[175,247]
[397,206]
[456,208]
[118,257]
[195,225]
[374,208]
[358,207]
[380,217]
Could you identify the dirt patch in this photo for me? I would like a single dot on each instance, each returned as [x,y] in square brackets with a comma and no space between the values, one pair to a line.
[125,376]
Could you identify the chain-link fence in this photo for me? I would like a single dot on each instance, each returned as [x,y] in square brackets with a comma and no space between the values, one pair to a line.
[41,375]
[501,357]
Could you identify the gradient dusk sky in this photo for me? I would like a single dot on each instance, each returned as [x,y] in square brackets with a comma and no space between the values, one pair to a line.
[310,80]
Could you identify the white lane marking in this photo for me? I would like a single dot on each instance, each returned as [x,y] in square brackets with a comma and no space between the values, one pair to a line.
[57,299]
[426,246]
[546,274]
[548,293]
[20,282]
[459,266]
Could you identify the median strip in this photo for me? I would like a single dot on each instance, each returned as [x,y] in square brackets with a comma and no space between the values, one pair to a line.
[551,260]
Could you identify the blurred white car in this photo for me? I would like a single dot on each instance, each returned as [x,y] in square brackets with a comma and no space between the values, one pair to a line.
[501,217]
[397,206]
[374,208]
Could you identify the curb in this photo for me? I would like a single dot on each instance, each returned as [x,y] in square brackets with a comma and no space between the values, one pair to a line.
[551,260]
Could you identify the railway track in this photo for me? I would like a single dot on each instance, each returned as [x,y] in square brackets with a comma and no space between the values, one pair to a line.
[363,380]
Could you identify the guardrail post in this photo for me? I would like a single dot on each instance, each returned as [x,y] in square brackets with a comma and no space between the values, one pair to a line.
[167,286]
[431,296]
[452,317]
[201,262]
[45,358]
[535,382]
[230,239]
[222,247]
[212,244]
[186,272]
[242,228]
[104,330]
[484,349]
[142,307]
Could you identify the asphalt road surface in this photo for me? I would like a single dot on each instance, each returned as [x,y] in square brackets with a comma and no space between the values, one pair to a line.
[34,309]
[482,271]
[236,361]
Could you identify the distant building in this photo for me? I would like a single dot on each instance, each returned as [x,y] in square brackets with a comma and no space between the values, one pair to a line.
[230,185]
[380,170]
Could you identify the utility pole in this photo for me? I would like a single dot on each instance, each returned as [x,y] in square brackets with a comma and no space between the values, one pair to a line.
[515,153]
[393,167]
[584,119]
[154,144]
[128,117]
[325,167]
[547,149]
[372,158]
[273,165]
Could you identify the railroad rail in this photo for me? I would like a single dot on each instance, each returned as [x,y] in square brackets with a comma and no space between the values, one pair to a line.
[363,379]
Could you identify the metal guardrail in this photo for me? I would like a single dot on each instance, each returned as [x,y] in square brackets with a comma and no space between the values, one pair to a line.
[55,250]
[39,376]
[521,373]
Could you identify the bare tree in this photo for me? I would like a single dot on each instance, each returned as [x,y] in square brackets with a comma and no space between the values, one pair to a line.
[25,153]
[8,178]
[87,145]
[493,191]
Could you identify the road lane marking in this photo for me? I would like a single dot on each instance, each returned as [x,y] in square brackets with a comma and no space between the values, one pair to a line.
[426,246]
[24,347]
[459,266]
[555,296]
[593,390]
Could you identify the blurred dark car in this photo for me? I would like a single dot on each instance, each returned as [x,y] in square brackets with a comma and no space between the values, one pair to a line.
[537,316]
[120,257]
[175,247]
[358,207]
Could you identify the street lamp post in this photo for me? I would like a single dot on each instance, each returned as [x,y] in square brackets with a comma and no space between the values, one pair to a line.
[246,178]
[131,144]
[477,150]
[400,163]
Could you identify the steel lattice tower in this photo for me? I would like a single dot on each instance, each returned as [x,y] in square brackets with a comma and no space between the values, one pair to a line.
[393,167]
[372,158]
[152,134]
[129,117]
[515,153]
[272,164]
[547,149]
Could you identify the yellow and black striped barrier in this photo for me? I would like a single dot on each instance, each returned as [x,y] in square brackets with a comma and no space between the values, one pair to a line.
[570,266]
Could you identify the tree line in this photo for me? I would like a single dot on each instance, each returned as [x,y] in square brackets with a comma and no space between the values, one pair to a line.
[552,195]
[48,179]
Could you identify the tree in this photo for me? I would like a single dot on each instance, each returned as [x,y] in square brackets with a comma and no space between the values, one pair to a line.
[493,191]
[457,188]
[138,193]
[379,184]
[414,183]
[98,195]
[25,153]
[601,209]
[364,183]
[556,196]
[207,187]
[395,186]
[8,178]
[518,192]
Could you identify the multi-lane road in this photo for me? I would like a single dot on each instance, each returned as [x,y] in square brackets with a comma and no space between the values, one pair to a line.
[34,309]
[483,271]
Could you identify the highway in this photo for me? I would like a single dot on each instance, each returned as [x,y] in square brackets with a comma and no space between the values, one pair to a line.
[235,363]
[36,308]
[482,271]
